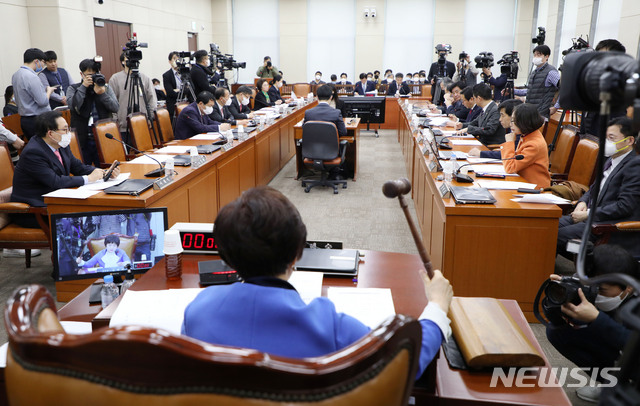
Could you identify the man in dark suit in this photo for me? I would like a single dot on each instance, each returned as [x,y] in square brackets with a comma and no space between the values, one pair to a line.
[398,87]
[200,73]
[240,105]
[221,112]
[619,197]
[436,69]
[194,119]
[364,85]
[486,127]
[172,82]
[324,112]
[343,79]
[46,164]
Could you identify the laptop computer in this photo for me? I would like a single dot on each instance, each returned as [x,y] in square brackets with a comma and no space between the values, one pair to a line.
[472,195]
[329,261]
[131,187]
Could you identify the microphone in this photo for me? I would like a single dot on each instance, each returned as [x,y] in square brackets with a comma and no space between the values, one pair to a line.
[152,174]
[462,178]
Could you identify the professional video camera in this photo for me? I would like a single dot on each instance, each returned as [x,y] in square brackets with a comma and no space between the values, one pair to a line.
[98,78]
[579,45]
[484,60]
[463,56]
[558,293]
[223,61]
[184,62]
[539,39]
[509,64]
[132,53]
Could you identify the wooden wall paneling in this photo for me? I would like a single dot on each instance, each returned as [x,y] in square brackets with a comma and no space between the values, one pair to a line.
[274,153]
[175,204]
[203,202]
[228,180]
[262,160]
[247,167]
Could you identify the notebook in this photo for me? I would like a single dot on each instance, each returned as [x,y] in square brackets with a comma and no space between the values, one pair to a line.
[472,195]
[329,261]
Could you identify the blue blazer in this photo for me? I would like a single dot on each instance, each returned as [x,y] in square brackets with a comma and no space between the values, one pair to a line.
[369,88]
[272,318]
[190,122]
[324,112]
[393,88]
[39,172]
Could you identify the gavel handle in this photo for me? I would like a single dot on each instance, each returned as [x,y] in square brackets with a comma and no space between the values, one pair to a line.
[416,237]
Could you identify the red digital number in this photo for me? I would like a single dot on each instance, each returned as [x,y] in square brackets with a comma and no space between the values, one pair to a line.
[210,243]
[187,240]
[200,243]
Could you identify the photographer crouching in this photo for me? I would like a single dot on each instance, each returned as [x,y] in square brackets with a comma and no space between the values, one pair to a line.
[584,328]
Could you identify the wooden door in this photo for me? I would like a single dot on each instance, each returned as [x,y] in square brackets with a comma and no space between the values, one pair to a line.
[192,38]
[111,36]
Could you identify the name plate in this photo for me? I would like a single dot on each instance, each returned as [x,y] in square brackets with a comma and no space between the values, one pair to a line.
[198,161]
[425,150]
[163,182]
[444,190]
[226,147]
[433,167]
[420,139]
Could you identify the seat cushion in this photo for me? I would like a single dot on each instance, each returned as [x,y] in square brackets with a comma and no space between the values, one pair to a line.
[333,162]
[14,233]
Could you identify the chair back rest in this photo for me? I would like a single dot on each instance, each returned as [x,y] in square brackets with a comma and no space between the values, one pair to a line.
[415,89]
[179,108]
[127,244]
[346,90]
[108,150]
[164,125]
[66,113]
[6,167]
[285,90]
[44,363]
[139,130]
[583,165]
[560,159]
[74,145]
[12,123]
[301,89]
[426,91]
[320,140]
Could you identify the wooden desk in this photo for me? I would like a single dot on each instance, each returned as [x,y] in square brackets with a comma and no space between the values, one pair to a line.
[196,195]
[503,250]
[351,158]
[453,387]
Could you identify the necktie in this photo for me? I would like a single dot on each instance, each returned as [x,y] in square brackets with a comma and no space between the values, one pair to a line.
[57,154]
[607,164]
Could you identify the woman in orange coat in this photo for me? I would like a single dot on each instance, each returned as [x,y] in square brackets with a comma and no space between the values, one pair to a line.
[534,167]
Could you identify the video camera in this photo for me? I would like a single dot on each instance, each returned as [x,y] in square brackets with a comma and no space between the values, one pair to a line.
[132,53]
[539,39]
[463,56]
[579,44]
[509,64]
[184,63]
[442,50]
[223,61]
[558,293]
[484,60]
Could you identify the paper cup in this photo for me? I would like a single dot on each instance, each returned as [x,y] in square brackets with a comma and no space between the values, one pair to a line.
[172,244]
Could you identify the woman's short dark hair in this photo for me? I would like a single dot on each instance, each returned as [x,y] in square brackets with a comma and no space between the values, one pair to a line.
[260,83]
[276,78]
[112,239]
[527,118]
[508,106]
[46,122]
[260,233]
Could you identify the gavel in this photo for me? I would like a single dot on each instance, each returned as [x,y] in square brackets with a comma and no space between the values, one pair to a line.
[398,188]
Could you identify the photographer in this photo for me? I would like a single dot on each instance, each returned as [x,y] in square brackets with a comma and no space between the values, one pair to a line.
[498,84]
[200,73]
[543,81]
[619,198]
[441,65]
[598,338]
[268,70]
[172,83]
[88,103]
[466,72]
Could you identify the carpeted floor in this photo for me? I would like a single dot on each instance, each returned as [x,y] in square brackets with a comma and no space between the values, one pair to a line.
[359,216]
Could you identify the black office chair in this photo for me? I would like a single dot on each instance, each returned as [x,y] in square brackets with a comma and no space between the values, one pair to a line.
[322,151]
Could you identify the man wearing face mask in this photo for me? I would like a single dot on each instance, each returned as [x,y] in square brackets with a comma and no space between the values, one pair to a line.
[317,80]
[240,105]
[364,85]
[592,337]
[194,119]
[201,74]
[32,97]
[343,79]
[172,82]
[619,197]
[466,72]
[543,81]
[221,113]
[46,164]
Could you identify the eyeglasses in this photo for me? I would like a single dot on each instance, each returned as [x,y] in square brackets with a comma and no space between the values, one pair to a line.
[66,129]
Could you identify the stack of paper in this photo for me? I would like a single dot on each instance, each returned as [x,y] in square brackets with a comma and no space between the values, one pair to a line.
[147,160]
[438,121]
[102,185]
[72,193]
[466,142]
[308,284]
[371,306]
[175,149]
[547,198]
[476,160]
[504,184]
[493,169]
[207,137]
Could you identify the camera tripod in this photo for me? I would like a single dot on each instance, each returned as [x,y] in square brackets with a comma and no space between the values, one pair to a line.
[186,89]
[136,89]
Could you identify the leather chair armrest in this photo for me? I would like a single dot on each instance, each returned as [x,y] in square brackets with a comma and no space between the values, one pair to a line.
[628,226]
[14,207]
[603,229]
[493,146]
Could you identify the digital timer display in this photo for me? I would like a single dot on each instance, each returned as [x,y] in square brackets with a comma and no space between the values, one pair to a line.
[196,237]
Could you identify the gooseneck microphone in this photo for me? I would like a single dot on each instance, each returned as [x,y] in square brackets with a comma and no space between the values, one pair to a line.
[462,178]
[152,174]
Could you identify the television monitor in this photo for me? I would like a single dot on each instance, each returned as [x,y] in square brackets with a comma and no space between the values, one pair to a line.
[95,244]
[369,109]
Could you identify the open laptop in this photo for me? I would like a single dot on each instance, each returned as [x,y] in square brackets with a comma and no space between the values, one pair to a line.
[329,261]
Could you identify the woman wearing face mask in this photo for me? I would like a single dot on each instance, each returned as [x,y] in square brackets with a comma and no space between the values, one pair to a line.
[262,98]
[534,167]
[240,106]
[274,91]
[593,337]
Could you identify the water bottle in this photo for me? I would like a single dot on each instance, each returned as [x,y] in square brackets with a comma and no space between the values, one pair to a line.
[109,291]
[240,133]
[194,156]
[127,282]
[168,167]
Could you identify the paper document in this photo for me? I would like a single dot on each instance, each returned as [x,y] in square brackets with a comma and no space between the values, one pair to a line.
[146,160]
[541,198]
[308,284]
[504,184]
[371,306]
[207,137]
[101,185]
[489,168]
[455,134]
[438,121]
[72,193]
[3,355]
[154,308]
[77,327]
[465,142]
[175,149]
[457,154]
[476,160]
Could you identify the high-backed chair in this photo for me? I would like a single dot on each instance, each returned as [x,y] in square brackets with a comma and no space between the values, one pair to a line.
[12,123]
[164,125]
[12,235]
[143,366]
[127,244]
[323,151]
[301,89]
[560,158]
[75,144]
[179,108]
[139,131]
[108,150]
[583,164]
[426,91]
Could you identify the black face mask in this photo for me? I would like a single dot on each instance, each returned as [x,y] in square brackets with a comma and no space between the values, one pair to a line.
[376,76]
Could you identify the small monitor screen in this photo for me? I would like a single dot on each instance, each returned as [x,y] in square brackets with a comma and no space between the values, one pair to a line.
[93,244]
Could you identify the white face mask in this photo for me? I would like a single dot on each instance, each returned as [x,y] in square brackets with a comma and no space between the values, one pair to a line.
[228,103]
[65,140]
[318,77]
[611,147]
[344,81]
[158,87]
[245,101]
[208,110]
[607,304]
[537,60]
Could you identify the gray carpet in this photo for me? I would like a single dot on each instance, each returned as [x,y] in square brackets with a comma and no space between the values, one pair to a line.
[359,216]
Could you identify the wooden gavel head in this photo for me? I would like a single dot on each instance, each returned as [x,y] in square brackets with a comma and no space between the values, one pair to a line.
[395,188]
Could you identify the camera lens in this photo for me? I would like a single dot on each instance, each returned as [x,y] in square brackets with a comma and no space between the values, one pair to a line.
[556,292]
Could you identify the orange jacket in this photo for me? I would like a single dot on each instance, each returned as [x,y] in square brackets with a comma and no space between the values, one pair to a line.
[534,168]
